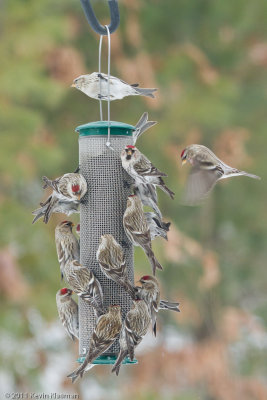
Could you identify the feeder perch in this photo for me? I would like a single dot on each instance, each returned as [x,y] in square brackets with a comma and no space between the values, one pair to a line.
[101,211]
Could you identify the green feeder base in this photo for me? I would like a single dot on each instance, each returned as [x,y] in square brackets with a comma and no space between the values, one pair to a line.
[106,360]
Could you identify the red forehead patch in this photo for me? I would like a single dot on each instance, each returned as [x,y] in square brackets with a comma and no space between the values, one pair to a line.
[130,146]
[64,290]
[64,222]
[75,188]
[145,278]
[182,153]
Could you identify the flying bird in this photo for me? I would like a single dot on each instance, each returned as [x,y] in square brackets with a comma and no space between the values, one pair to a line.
[206,170]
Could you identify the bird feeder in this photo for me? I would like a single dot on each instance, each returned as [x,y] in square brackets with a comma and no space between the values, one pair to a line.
[101,212]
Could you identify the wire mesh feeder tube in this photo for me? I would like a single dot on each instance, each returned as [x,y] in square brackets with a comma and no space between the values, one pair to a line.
[101,212]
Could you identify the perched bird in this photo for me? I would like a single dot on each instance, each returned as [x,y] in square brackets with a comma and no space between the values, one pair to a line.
[142,170]
[148,195]
[206,170]
[156,226]
[53,205]
[106,331]
[150,293]
[112,262]
[137,230]
[68,190]
[66,244]
[68,312]
[142,125]
[134,328]
[118,89]
[84,284]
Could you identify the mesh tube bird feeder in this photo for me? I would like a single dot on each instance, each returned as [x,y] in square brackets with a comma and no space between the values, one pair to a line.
[101,212]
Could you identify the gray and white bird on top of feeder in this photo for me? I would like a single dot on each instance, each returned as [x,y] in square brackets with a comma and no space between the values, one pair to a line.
[96,85]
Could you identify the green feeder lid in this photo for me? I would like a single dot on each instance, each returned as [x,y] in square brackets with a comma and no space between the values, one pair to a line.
[100,128]
[108,359]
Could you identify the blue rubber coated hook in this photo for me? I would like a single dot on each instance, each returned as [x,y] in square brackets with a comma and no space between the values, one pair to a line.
[93,21]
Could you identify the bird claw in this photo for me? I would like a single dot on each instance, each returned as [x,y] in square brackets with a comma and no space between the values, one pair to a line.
[126,185]
[124,243]
[101,76]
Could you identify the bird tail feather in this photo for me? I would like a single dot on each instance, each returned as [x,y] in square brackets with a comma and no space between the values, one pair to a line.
[166,189]
[153,261]
[167,305]
[146,92]
[117,365]
[249,175]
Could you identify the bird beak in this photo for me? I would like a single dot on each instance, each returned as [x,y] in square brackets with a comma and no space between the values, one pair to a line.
[72,224]
[70,291]
[78,197]
[184,161]
[73,85]
[129,152]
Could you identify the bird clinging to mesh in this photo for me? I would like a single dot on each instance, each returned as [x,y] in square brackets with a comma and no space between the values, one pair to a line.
[68,190]
[142,170]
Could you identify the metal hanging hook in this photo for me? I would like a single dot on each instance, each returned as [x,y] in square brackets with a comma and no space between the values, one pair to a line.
[93,21]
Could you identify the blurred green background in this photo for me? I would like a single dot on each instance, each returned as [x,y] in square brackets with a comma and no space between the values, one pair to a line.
[208,59]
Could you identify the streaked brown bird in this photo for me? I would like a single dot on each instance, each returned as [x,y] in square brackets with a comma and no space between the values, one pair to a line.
[134,328]
[68,312]
[150,293]
[106,331]
[84,283]
[67,244]
[112,262]
[137,229]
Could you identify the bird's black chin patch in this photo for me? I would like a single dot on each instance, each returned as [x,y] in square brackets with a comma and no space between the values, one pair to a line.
[128,157]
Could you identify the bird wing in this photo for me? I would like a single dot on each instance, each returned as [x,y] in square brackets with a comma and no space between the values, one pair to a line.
[145,168]
[200,181]
[140,237]
[70,321]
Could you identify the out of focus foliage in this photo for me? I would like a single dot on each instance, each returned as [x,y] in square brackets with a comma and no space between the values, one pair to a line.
[208,60]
